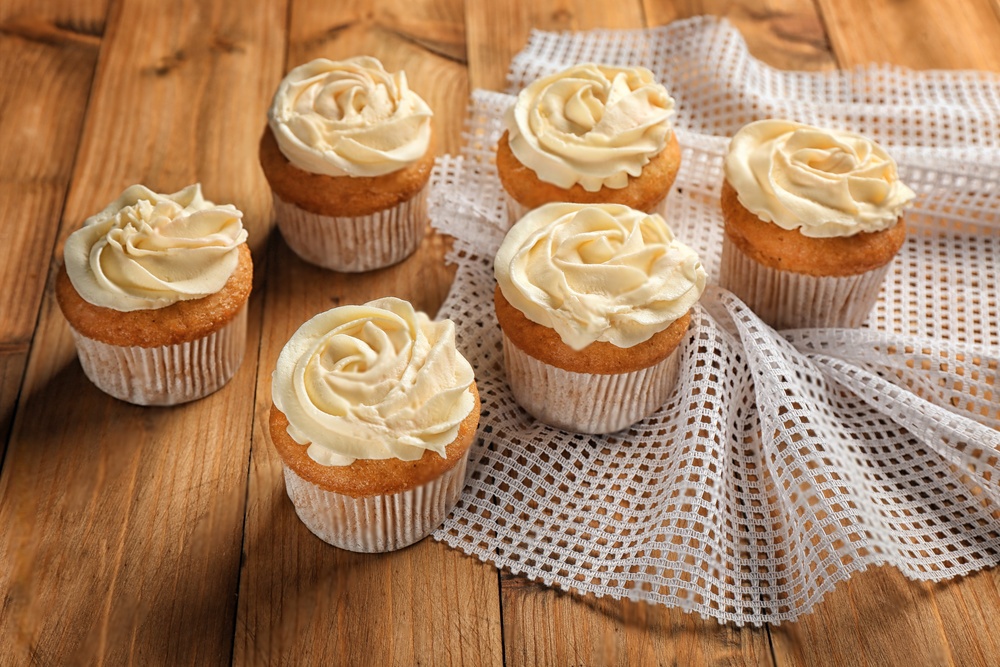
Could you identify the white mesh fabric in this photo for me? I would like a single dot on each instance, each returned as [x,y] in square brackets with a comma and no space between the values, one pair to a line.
[783,462]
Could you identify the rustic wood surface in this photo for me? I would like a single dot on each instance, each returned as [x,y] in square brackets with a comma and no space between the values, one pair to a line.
[163,536]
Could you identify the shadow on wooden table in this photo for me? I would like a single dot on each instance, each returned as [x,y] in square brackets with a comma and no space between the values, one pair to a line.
[122,525]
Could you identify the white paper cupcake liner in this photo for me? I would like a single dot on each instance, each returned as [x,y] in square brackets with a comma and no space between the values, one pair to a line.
[354,243]
[516,210]
[376,523]
[586,402]
[788,300]
[165,375]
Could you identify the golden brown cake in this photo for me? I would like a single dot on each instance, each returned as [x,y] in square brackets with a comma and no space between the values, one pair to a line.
[589,134]
[599,357]
[373,416]
[374,477]
[790,250]
[813,220]
[341,196]
[158,316]
[645,192]
[593,301]
[348,155]
[181,322]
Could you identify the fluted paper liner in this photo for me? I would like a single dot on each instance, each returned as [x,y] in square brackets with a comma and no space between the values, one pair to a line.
[788,300]
[354,243]
[587,402]
[376,523]
[165,375]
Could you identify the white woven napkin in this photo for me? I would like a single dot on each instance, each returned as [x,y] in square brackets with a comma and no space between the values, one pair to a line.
[783,462]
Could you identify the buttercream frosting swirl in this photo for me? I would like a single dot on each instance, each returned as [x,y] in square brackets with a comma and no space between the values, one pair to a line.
[148,250]
[349,118]
[598,273]
[590,124]
[821,182]
[376,381]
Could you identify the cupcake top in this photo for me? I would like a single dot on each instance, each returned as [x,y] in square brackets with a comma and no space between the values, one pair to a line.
[376,381]
[602,272]
[148,250]
[590,124]
[349,118]
[822,182]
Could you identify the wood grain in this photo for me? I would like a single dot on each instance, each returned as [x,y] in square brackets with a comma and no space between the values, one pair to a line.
[302,601]
[877,617]
[787,34]
[543,626]
[47,64]
[122,525]
[491,48]
[922,34]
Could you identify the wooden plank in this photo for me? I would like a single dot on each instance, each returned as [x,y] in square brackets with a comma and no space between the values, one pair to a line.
[878,617]
[541,625]
[47,61]
[787,34]
[498,30]
[922,34]
[302,601]
[122,525]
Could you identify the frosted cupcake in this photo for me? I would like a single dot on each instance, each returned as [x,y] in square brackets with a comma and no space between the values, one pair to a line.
[347,153]
[589,134]
[813,220]
[154,288]
[593,302]
[374,413]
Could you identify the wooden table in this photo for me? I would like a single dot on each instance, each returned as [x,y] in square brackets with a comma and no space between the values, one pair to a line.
[163,536]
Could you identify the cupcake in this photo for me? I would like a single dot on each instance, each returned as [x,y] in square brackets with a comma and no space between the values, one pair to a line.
[154,288]
[589,134]
[347,153]
[813,219]
[373,416]
[593,301]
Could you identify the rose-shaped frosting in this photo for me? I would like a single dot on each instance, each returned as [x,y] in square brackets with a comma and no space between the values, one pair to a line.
[598,273]
[591,125]
[148,250]
[349,118]
[822,182]
[376,381]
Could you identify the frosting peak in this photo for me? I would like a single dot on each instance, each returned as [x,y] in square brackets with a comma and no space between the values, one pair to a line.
[376,381]
[147,250]
[822,182]
[591,125]
[349,118]
[598,273]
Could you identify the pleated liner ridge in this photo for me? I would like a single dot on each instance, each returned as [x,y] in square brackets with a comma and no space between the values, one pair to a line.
[587,402]
[788,300]
[376,523]
[165,375]
[353,244]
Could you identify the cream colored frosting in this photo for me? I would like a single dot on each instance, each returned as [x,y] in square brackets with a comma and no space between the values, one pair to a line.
[148,250]
[822,182]
[349,118]
[591,125]
[376,381]
[598,273]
